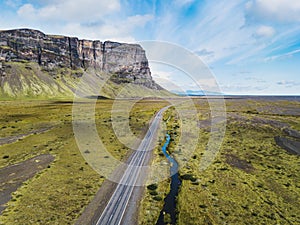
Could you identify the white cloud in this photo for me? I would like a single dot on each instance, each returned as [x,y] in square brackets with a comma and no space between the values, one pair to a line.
[285,55]
[243,88]
[265,31]
[101,32]
[164,75]
[255,80]
[138,20]
[121,31]
[183,2]
[13,3]
[288,83]
[274,10]
[70,10]
[164,78]
[229,36]
[27,11]
[209,83]
[90,19]
[220,33]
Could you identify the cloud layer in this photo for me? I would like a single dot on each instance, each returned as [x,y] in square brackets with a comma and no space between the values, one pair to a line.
[282,11]
[265,31]
[69,10]
[260,36]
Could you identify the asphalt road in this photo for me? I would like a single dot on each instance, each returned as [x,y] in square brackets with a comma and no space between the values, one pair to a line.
[114,211]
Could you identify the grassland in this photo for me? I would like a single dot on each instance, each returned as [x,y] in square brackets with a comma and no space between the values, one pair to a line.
[58,194]
[251,181]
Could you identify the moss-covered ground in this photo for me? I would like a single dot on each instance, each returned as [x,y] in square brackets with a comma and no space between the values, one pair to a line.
[58,194]
[251,181]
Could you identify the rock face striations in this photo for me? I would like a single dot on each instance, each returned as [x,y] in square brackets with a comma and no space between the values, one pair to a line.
[126,62]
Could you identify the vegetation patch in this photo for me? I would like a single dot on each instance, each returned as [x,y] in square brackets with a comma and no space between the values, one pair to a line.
[59,193]
[234,161]
[252,180]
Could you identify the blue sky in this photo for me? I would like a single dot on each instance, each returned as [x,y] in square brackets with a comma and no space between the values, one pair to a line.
[252,46]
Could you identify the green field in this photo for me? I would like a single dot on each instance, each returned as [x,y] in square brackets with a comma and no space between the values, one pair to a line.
[251,181]
[58,194]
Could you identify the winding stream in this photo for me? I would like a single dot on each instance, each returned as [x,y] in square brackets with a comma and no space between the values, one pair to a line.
[170,200]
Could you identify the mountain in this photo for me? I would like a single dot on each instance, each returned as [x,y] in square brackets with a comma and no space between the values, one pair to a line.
[36,65]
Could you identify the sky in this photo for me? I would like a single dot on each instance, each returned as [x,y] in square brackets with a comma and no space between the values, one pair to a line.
[250,46]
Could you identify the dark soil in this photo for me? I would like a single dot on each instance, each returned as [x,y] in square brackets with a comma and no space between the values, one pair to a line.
[12,177]
[12,139]
[292,133]
[241,164]
[291,146]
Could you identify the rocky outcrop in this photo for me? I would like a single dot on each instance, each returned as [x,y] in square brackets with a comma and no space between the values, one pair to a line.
[126,62]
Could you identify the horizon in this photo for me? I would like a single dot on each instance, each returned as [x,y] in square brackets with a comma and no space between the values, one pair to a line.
[237,95]
[251,47]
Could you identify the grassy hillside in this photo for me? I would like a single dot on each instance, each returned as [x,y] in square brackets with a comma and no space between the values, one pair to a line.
[27,80]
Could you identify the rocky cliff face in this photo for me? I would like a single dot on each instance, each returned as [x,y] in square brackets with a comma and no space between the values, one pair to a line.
[127,62]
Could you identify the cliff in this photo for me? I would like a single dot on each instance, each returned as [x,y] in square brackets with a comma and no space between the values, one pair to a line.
[126,63]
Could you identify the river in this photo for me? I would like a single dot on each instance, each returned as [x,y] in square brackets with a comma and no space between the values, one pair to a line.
[170,200]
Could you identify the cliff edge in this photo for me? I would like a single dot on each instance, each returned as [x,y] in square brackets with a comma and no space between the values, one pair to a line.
[32,62]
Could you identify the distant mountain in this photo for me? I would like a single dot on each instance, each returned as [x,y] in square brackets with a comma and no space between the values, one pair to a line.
[195,93]
[33,64]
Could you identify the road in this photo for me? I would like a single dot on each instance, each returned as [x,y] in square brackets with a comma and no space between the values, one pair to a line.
[114,211]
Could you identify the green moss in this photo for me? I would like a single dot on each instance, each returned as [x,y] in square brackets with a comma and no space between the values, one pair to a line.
[60,193]
[157,198]
[252,180]
[152,187]
[5,47]
[29,81]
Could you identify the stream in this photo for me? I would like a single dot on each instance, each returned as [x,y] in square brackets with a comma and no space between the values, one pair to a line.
[170,200]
